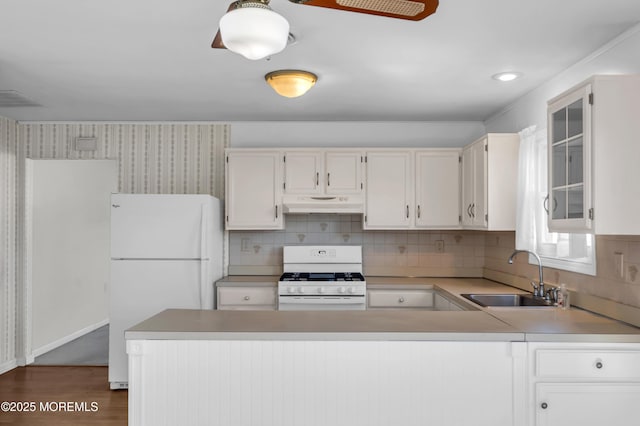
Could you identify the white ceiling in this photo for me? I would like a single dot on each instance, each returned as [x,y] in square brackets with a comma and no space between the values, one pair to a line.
[121,60]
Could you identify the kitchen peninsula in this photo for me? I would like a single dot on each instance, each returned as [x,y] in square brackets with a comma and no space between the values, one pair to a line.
[504,366]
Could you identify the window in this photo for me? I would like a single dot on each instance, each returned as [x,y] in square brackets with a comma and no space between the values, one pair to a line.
[570,252]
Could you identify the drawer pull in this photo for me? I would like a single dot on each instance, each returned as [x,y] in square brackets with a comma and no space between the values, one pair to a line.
[247,298]
[599,364]
[401,300]
[544,405]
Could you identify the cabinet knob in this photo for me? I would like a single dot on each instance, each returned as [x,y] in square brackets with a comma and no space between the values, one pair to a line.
[599,364]
[247,298]
[544,405]
[401,300]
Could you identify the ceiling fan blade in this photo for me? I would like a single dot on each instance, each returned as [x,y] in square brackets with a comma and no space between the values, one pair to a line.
[217,40]
[414,10]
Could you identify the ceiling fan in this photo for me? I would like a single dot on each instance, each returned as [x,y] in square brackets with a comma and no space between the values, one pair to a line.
[252,29]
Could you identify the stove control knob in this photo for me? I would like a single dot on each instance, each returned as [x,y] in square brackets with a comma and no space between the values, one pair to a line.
[341,290]
[301,289]
[291,289]
[321,290]
[352,290]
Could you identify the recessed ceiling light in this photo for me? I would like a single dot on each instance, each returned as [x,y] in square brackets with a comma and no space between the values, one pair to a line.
[507,76]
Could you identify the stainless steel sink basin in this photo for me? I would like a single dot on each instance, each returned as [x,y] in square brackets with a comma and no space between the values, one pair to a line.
[507,300]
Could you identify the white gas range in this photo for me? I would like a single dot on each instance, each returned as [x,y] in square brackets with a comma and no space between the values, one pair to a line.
[322,278]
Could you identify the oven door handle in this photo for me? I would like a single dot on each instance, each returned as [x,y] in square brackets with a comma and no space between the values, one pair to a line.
[298,300]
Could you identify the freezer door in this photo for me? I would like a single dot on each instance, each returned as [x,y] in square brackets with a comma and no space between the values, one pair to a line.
[141,289]
[154,226]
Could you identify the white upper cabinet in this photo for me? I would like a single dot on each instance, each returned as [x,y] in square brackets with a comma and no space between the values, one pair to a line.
[437,188]
[343,172]
[474,185]
[489,182]
[388,190]
[303,171]
[337,172]
[593,149]
[253,189]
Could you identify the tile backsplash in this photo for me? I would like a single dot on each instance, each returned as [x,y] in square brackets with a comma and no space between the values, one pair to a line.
[391,253]
[438,254]
[620,285]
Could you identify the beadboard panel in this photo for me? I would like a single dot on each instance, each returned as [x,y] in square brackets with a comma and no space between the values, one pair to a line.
[7,241]
[319,383]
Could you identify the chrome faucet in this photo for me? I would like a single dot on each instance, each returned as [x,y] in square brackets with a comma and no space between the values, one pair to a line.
[538,290]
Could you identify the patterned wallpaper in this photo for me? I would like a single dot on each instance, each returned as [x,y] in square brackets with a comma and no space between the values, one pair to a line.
[7,240]
[152,158]
[175,158]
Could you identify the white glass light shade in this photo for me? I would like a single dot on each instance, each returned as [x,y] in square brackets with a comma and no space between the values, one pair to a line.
[254,33]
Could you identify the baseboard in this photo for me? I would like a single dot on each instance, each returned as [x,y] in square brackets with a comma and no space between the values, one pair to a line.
[66,339]
[8,365]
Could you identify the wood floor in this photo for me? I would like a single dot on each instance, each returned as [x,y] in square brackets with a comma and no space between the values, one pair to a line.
[82,391]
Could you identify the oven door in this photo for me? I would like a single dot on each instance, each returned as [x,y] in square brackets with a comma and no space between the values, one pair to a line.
[322,303]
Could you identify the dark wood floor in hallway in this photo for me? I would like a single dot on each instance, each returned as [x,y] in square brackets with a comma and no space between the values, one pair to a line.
[61,396]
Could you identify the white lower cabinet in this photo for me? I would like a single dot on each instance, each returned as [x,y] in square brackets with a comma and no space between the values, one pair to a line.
[584,384]
[587,404]
[400,298]
[247,298]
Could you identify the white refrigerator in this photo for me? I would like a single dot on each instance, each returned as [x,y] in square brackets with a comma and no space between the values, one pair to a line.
[166,252]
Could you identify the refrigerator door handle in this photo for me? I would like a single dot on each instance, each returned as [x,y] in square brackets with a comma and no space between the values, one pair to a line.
[204,253]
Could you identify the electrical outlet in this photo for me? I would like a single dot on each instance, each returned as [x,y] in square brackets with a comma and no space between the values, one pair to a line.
[244,244]
[632,274]
[618,259]
[439,246]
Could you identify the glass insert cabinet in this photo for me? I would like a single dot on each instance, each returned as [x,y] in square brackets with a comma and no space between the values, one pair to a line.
[568,203]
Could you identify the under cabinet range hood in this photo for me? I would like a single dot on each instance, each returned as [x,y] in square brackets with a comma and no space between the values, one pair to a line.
[347,204]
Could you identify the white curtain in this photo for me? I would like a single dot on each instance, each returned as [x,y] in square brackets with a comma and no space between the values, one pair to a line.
[531,221]
[571,252]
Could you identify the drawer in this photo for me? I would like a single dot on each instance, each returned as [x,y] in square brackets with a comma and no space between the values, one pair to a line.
[605,364]
[246,296]
[400,298]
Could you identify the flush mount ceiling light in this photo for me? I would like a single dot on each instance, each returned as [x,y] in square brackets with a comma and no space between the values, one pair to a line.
[253,30]
[507,76]
[291,83]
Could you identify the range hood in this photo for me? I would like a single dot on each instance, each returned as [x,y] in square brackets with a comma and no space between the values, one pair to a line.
[347,204]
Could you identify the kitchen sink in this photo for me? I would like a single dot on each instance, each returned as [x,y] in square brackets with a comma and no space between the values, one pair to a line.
[507,300]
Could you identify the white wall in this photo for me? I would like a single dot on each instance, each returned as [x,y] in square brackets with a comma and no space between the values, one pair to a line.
[354,134]
[69,263]
[619,56]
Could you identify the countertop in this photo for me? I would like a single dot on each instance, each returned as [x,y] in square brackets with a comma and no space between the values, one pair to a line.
[486,324]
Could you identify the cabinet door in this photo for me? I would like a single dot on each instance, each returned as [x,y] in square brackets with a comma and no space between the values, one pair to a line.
[468,164]
[389,190]
[587,404]
[247,298]
[437,189]
[343,172]
[474,185]
[569,162]
[479,206]
[253,182]
[303,172]
[400,298]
